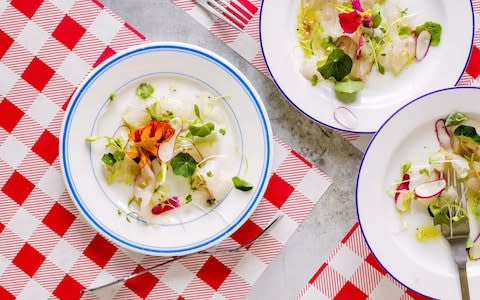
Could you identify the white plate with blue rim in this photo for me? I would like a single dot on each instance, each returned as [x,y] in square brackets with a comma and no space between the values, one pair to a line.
[426,267]
[182,75]
[383,94]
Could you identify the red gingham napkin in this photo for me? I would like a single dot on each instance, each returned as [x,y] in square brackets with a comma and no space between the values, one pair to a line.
[352,272]
[247,44]
[46,250]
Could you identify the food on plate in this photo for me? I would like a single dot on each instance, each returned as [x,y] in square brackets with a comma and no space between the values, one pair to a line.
[171,150]
[343,41]
[449,175]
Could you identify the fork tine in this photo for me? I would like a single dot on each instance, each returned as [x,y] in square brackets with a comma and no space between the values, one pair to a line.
[239,17]
[243,8]
[218,6]
[215,12]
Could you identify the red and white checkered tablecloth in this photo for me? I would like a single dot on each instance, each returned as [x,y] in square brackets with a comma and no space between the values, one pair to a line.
[46,249]
[351,272]
[247,44]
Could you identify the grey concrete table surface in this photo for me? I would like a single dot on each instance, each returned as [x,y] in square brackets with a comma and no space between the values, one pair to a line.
[160,20]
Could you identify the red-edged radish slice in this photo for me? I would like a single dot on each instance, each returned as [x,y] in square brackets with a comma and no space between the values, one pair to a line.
[443,136]
[424,39]
[430,189]
[474,251]
[170,204]
[403,196]
[345,117]
[165,151]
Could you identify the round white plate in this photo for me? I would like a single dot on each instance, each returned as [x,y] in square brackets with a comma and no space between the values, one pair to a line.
[409,135]
[383,95]
[190,228]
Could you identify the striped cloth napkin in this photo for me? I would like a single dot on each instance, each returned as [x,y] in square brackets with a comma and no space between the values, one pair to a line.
[351,272]
[47,251]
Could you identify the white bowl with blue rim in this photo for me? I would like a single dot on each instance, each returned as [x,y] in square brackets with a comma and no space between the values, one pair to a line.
[192,230]
[383,94]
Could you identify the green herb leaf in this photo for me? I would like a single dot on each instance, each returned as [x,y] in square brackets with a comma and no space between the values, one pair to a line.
[403,12]
[338,65]
[424,171]
[241,184]
[188,198]
[108,159]
[112,97]
[155,113]
[467,133]
[376,20]
[222,131]
[314,80]
[183,164]
[381,68]
[455,118]
[404,31]
[197,111]
[349,87]
[406,167]
[119,212]
[435,30]
[145,90]
[118,155]
[202,130]
[210,174]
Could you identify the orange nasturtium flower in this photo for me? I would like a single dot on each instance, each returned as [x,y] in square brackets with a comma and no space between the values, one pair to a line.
[146,140]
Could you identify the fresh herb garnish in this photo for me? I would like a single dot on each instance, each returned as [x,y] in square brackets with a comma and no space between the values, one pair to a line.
[118,155]
[108,159]
[435,30]
[241,184]
[467,133]
[144,90]
[202,130]
[112,97]
[376,20]
[188,198]
[314,80]
[424,171]
[183,164]
[154,112]
[406,167]
[455,118]
[197,111]
[119,212]
[380,68]
[338,65]
[349,87]
[222,131]
[210,174]
[403,12]
[404,31]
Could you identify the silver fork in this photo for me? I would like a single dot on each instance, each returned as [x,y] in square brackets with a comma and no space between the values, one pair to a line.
[457,233]
[208,251]
[219,9]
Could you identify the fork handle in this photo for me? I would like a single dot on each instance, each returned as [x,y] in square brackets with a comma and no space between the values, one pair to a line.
[462,271]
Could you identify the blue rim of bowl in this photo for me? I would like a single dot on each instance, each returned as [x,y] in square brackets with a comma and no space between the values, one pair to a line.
[363,160]
[203,54]
[331,126]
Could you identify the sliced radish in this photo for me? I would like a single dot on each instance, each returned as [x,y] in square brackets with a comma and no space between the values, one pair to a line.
[424,39]
[345,117]
[474,251]
[430,189]
[403,196]
[170,204]
[443,136]
[165,151]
